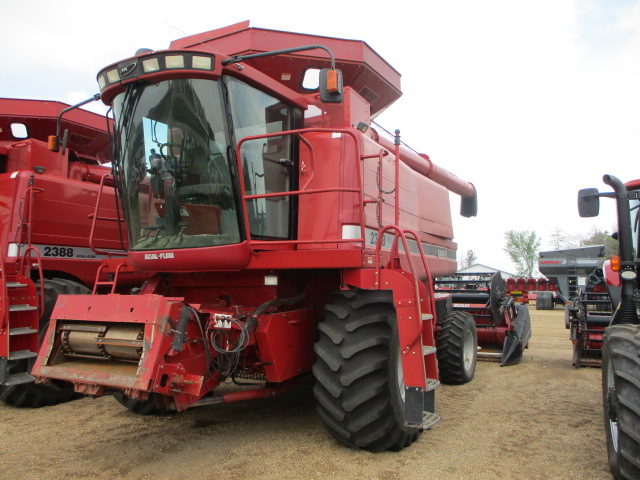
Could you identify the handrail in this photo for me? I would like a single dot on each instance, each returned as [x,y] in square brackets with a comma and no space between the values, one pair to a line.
[4,319]
[25,267]
[299,133]
[25,217]
[423,257]
[113,283]
[25,263]
[94,219]
[399,233]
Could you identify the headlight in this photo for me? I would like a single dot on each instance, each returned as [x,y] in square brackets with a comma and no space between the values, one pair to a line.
[628,275]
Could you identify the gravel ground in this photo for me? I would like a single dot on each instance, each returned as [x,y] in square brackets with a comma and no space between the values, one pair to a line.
[541,419]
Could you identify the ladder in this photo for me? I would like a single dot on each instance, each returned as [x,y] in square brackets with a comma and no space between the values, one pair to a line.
[19,335]
[21,304]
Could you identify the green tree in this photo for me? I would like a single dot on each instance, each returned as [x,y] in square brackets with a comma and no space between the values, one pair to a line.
[522,247]
[468,259]
[599,237]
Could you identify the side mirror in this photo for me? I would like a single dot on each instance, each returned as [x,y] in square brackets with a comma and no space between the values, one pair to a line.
[330,85]
[469,206]
[588,202]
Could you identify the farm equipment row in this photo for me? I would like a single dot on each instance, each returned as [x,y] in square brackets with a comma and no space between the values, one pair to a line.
[544,292]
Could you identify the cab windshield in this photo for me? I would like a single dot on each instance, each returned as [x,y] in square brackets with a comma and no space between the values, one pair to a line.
[178,180]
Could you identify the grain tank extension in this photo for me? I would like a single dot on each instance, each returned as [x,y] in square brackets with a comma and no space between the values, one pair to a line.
[289,236]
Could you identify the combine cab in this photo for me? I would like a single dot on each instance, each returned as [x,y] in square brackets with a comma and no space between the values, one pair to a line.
[289,236]
[504,328]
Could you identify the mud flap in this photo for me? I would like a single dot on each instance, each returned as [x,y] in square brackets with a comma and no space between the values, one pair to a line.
[413,406]
[3,370]
[517,339]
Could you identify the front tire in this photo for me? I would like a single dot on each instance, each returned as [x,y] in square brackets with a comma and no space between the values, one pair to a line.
[544,301]
[621,399]
[32,395]
[154,405]
[457,348]
[359,386]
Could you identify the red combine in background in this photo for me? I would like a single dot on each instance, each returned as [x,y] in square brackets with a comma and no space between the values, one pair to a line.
[47,200]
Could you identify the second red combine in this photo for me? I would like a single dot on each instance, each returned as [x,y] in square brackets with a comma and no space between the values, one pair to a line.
[289,235]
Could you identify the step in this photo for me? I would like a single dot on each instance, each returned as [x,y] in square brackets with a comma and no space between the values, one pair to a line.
[497,355]
[429,420]
[22,308]
[16,285]
[20,354]
[428,350]
[432,384]
[18,378]
[22,331]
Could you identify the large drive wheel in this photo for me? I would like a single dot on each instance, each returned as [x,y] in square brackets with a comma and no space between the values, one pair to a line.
[457,348]
[39,395]
[359,383]
[154,405]
[621,399]
[544,301]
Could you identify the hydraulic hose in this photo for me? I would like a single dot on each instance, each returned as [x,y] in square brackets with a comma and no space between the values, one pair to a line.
[253,318]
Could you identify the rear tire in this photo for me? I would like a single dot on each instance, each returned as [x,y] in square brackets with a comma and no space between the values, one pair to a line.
[32,395]
[621,399]
[154,405]
[457,348]
[544,301]
[359,386]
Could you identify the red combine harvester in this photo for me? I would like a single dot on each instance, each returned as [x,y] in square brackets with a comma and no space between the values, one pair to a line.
[289,236]
[47,200]
[621,340]
[504,327]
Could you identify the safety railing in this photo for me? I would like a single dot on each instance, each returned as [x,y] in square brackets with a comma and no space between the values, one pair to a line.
[304,190]
[25,266]
[95,217]
[401,235]
[113,282]
[25,212]
[4,318]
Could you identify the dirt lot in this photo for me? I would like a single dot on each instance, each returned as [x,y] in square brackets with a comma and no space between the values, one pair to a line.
[541,419]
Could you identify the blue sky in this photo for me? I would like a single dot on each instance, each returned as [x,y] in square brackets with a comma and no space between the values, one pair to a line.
[530,101]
